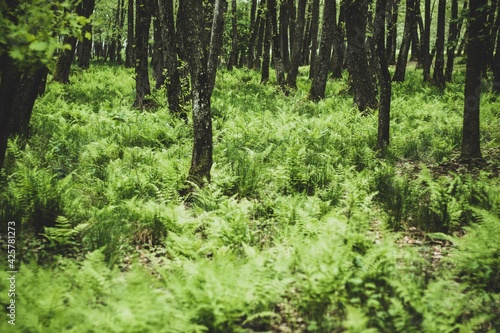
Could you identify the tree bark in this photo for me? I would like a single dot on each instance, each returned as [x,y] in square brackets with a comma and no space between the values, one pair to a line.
[254,25]
[339,47]
[170,60]
[471,147]
[392,26]
[64,60]
[400,73]
[262,18]
[284,37]
[438,78]
[314,35]
[297,45]
[143,23]
[233,58]
[266,52]
[277,60]
[384,79]
[157,61]
[322,62]
[202,65]
[130,57]
[362,84]
[452,40]
[496,59]
[86,45]
[426,60]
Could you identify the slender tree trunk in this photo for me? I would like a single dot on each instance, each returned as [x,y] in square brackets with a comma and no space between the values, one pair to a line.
[452,40]
[426,60]
[170,60]
[400,73]
[266,57]
[384,79]
[233,58]
[306,41]
[491,33]
[143,23]
[339,47]
[496,59]
[284,26]
[392,28]
[471,147]
[278,62]
[130,49]
[262,17]
[322,62]
[157,63]
[254,25]
[314,35]
[363,85]
[297,45]
[438,78]
[292,17]
[415,40]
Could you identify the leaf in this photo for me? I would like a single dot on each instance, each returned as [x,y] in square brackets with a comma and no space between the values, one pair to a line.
[38,46]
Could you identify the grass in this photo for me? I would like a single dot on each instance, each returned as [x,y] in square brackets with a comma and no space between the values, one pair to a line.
[302,229]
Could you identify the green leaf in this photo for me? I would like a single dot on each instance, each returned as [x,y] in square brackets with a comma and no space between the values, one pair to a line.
[38,46]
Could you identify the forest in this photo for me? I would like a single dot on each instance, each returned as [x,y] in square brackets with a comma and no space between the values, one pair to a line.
[279,166]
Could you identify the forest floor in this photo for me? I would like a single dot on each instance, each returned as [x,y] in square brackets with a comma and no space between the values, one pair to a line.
[303,228]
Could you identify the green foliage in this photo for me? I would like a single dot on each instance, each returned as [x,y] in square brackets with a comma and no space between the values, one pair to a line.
[302,228]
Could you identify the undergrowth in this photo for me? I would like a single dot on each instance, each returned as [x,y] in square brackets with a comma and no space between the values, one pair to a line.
[303,228]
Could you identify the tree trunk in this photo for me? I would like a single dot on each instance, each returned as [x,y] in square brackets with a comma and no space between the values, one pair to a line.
[22,108]
[10,77]
[202,72]
[322,62]
[415,41]
[496,59]
[284,26]
[254,25]
[384,79]
[233,57]
[491,33]
[363,85]
[143,23]
[306,41]
[170,60]
[314,35]
[262,18]
[277,60]
[157,63]
[64,60]
[266,57]
[452,40]
[339,47]
[471,147]
[426,60]
[86,44]
[400,73]
[297,45]
[130,56]
[438,78]
[392,27]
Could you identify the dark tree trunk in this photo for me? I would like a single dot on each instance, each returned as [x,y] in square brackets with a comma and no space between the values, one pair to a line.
[415,40]
[460,41]
[452,40]
[86,45]
[322,62]
[119,45]
[233,58]
[400,73]
[10,78]
[471,147]
[384,79]
[438,78]
[426,60]
[202,65]
[392,27]
[496,59]
[170,60]
[284,37]
[362,84]
[306,41]
[262,18]
[29,89]
[339,47]
[314,35]
[254,25]
[157,63]
[130,55]
[266,57]
[278,62]
[143,23]
[297,45]
[292,17]
[64,61]
[491,33]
